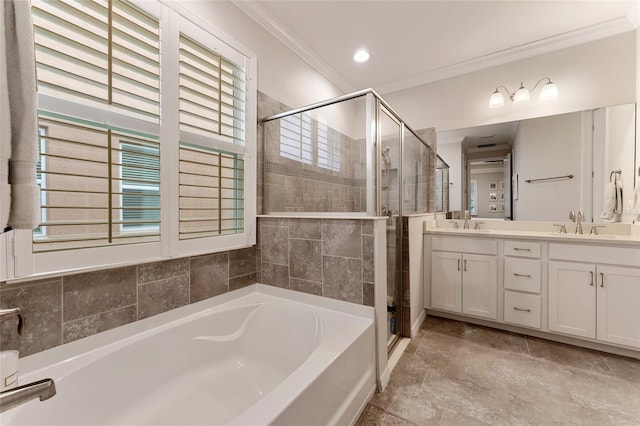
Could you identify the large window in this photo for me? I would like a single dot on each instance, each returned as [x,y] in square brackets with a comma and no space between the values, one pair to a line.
[144,140]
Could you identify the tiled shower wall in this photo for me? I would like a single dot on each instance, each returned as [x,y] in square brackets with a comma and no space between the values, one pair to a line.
[293,186]
[63,309]
[327,257]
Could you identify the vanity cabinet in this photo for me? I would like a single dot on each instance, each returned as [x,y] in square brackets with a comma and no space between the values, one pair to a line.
[522,283]
[594,299]
[464,276]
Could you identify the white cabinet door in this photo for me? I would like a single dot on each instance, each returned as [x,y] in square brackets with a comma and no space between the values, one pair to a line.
[480,285]
[572,298]
[618,310]
[446,281]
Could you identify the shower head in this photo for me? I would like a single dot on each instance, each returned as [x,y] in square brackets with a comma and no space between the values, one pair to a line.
[385,155]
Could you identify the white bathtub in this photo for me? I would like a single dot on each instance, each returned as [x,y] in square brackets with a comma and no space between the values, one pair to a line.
[259,355]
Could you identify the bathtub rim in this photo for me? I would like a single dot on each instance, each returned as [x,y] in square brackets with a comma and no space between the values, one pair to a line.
[67,352]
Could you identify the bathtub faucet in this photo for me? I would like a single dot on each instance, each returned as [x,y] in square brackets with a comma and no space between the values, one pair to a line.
[43,389]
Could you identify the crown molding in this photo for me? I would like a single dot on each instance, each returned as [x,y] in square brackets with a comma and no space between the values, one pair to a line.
[524,51]
[259,14]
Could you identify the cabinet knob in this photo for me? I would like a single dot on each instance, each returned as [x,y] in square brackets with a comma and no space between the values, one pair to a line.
[521,249]
[601,279]
[591,282]
[515,308]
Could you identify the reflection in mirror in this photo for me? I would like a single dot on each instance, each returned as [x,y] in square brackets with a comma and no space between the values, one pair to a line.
[549,165]
[442,185]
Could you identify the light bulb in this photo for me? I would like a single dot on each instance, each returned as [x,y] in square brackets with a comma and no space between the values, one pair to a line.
[361,56]
[549,92]
[521,95]
[496,100]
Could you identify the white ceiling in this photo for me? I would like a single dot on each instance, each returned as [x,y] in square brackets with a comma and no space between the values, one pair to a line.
[414,42]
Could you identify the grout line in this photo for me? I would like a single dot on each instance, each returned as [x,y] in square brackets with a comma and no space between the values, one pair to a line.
[526,343]
[606,364]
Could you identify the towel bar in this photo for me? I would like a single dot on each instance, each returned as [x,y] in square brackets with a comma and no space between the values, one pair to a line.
[549,178]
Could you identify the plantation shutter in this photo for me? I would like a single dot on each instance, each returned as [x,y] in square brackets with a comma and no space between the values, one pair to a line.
[212,119]
[100,166]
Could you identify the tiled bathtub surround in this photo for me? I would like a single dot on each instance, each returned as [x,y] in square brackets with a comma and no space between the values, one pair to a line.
[64,309]
[327,257]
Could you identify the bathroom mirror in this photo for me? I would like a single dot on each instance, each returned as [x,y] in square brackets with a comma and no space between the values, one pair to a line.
[541,168]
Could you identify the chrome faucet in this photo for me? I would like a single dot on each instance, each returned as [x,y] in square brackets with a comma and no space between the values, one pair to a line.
[43,389]
[11,312]
[579,220]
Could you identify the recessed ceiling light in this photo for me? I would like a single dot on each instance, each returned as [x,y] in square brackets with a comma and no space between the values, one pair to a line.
[361,56]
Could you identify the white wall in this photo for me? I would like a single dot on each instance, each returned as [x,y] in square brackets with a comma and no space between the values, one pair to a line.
[547,147]
[588,76]
[611,150]
[451,153]
[282,74]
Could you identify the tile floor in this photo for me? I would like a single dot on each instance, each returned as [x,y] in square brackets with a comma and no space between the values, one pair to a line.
[455,373]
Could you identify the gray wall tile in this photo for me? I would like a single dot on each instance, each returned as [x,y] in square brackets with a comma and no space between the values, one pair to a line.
[242,262]
[367,227]
[148,272]
[308,229]
[305,286]
[305,259]
[87,326]
[41,305]
[368,269]
[242,281]
[161,296]
[209,276]
[368,296]
[274,244]
[342,238]
[275,275]
[342,278]
[101,291]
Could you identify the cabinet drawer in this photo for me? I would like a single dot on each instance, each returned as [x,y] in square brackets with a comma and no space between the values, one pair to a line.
[522,274]
[522,249]
[466,245]
[522,309]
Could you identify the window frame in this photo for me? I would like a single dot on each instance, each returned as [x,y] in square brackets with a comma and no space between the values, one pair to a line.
[22,262]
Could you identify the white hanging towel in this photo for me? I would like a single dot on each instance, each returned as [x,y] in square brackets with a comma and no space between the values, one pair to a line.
[19,192]
[613,203]
[635,211]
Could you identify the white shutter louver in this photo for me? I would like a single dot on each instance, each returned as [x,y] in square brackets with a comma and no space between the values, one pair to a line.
[104,54]
[85,185]
[100,183]
[212,93]
[211,193]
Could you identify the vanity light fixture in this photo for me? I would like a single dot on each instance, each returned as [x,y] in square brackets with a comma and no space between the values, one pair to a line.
[549,91]
[361,56]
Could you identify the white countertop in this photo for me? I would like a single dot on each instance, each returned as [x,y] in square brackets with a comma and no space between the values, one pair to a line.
[615,233]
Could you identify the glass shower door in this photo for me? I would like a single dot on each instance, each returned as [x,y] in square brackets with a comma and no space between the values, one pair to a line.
[390,148]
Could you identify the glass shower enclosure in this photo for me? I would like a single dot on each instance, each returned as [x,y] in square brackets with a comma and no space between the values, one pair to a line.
[353,156]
